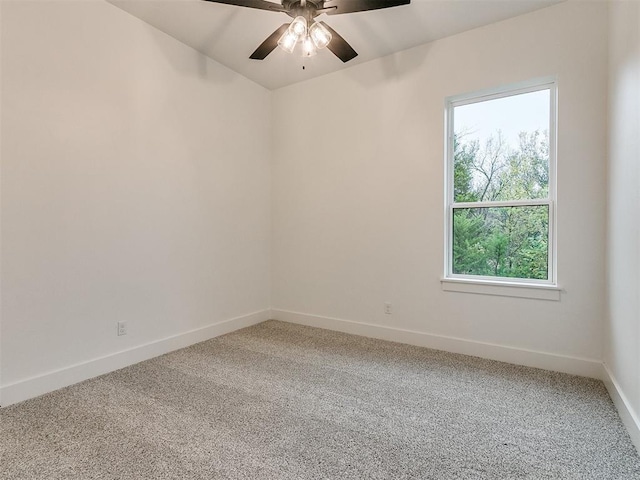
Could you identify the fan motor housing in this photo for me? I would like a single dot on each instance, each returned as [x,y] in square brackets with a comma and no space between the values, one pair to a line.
[295,9]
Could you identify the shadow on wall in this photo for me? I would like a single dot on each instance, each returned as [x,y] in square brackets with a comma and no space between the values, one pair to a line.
[195,63]
[395,65]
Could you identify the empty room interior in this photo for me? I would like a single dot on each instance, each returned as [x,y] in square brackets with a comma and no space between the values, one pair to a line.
[409,248]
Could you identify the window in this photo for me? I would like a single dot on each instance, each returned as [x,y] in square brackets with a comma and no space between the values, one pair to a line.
[501,185]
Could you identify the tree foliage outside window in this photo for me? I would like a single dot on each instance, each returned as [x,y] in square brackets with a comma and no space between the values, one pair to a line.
[499,194]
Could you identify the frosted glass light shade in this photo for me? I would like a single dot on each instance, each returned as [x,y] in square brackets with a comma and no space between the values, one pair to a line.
[299,26]
[319,35]
[297,30]
[308,47]
[288,40]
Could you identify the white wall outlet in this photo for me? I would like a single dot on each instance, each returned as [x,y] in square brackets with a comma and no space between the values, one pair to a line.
[387,308]
[122,328]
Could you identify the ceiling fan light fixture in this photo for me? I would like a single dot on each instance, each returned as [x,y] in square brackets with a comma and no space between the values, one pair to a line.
[320,36]
[288,40]
[297,30]
[299,26]
[304,29]
[308,47]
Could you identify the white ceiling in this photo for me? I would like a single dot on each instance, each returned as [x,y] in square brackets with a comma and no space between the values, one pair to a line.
[229,34]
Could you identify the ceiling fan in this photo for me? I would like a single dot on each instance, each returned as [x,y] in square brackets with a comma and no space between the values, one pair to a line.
[304,29]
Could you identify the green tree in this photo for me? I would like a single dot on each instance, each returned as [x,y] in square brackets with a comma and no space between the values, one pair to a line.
[501,241]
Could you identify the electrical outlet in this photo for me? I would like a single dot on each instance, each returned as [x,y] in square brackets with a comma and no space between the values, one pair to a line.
[122,328]
[387,308]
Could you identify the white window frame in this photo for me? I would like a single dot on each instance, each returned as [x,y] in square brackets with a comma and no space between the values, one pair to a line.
[520,287]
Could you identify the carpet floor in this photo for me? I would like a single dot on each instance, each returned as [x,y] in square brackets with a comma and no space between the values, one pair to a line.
[283,401]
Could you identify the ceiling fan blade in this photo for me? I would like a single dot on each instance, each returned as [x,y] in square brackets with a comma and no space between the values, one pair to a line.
[349,6]
[259,4]
[269,44]
[339,46]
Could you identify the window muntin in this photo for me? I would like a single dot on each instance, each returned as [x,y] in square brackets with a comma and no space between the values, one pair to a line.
[501,185]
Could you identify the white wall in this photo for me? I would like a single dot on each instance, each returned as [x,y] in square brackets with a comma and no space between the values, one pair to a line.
[135,186]
[622,329]
[358,190]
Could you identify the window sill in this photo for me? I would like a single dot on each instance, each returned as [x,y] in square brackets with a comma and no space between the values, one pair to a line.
[503,289]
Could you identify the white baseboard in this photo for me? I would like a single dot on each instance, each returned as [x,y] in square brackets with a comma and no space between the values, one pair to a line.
[548,361]
[50,381]
[629,417]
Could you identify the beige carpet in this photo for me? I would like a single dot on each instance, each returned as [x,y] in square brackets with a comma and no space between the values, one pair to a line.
[280,401]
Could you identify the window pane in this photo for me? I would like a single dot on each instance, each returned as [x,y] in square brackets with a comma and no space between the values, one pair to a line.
[501,241]
[501,148]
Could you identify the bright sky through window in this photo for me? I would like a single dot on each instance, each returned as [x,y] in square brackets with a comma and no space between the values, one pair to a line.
[511,115]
